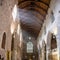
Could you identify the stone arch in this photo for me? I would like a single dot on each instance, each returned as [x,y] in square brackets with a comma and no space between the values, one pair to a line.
[53,42]
[50,36]
[3,40]
[51,45]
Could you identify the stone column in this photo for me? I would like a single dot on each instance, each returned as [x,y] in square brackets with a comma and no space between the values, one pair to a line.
[58,42]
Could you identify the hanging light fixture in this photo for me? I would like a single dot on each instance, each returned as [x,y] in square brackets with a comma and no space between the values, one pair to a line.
[29,38]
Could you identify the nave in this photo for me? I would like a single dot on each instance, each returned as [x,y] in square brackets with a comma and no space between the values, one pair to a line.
[29,29]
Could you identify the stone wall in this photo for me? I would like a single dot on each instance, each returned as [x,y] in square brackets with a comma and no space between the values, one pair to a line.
[5,21]
[52,24]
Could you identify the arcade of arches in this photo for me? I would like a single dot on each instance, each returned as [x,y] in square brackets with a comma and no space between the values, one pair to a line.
[29,29]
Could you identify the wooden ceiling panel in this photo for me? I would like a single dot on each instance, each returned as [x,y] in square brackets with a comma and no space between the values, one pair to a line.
[24,4]
[46,1]
[39,10]
[40,15]
[42,5]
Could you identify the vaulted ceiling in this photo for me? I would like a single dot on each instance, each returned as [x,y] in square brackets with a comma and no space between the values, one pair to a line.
[32,14]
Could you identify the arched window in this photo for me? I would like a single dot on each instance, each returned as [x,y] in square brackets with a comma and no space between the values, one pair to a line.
[53,42]
[29,47]
[4,40]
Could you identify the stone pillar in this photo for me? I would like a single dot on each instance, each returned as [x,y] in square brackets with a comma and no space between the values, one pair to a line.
[46,54]
[58,42]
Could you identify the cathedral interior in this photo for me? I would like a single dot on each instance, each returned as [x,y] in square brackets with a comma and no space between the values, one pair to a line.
[29,29]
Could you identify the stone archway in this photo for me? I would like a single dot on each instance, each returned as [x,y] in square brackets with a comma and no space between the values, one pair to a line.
[51,47]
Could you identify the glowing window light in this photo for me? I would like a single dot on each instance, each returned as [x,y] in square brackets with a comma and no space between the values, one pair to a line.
[29,47]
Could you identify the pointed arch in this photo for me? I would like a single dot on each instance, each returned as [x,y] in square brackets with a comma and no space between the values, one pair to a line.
[53,42]
[4,40]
